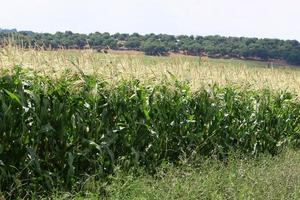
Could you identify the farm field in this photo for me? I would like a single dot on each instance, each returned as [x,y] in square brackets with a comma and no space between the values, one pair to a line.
[129,126]
[119,66]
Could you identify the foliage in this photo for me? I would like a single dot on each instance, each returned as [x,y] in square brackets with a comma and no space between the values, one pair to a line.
[215,46]
[262,178]
[55,133]
[153,48]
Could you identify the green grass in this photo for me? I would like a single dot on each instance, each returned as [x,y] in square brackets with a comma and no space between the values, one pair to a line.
[262,178]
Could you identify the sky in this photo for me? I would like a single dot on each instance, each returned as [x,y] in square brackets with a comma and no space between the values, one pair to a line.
[249,18]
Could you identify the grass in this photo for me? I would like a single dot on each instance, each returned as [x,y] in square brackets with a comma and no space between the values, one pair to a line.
[262,178]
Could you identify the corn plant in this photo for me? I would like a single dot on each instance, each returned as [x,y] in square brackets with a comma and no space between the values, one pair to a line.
[54,133]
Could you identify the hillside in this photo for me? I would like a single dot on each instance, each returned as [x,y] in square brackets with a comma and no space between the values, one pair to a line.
[163,44]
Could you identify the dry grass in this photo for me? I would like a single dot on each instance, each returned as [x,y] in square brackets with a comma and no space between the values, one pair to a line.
[115,66]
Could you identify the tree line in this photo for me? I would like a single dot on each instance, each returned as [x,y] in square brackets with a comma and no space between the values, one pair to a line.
[162,44]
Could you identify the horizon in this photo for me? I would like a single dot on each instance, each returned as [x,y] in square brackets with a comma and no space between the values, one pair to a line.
[63,31]
[272,19]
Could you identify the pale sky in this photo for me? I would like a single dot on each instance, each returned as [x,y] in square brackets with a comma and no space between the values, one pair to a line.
[250,18]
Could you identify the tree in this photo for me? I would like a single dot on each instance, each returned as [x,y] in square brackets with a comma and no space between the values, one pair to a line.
[161,44]
[294,57]
[133,43]
[154,48]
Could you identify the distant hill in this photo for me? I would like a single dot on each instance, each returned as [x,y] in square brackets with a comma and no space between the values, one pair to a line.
[8,30]
[162,44]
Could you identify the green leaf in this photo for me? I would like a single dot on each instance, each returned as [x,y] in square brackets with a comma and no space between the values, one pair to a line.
[13,96]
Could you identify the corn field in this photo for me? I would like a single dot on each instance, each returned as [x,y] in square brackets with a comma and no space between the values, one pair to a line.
[116,66]
[57,132]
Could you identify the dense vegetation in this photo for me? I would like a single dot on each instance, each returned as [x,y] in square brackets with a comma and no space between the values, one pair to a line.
[56,133]
[152,44]
[265,177]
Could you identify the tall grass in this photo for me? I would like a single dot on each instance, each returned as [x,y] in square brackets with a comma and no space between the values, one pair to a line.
[55,133]
[265,177]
